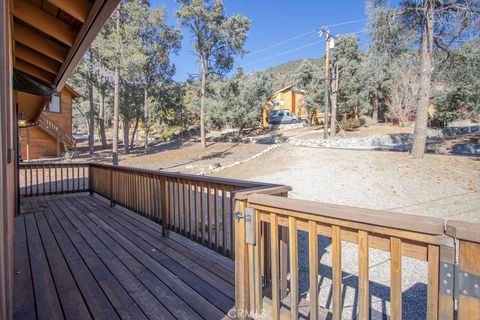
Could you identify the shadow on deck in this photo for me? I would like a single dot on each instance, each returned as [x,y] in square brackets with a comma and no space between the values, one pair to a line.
[78,258]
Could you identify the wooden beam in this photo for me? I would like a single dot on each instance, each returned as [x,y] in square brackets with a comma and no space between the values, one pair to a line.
[99,14]
[34,71]
[78,9]
[44,22]
[37,59]
[37,42]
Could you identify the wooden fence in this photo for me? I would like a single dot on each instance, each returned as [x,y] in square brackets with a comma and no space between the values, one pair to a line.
[267,278]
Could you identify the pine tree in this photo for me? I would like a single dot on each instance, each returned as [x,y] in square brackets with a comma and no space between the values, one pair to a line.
[217,39]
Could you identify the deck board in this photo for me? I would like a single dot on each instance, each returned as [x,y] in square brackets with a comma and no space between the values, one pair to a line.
[209,259]
[23,289]
[77,258]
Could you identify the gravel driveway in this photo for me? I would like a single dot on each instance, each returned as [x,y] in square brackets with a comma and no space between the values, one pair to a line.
[438,186]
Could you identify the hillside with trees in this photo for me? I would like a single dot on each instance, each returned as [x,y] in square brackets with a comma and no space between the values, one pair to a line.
[126,78]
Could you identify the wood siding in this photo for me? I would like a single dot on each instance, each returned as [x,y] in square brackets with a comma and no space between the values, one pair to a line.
[35,143]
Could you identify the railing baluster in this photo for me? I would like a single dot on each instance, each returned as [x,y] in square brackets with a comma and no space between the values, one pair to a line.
[202,211]
[232,226]
[68,178]
[195,210]
[190,210]
[178,203]
[363,277]
[433,285]
[257,262]
[184,207]
[337,272]
[36,177]
[224,221]
[313,263]
[274,255]
[293,243]
[43,180]
[217,226]
[395,278]
[209,215]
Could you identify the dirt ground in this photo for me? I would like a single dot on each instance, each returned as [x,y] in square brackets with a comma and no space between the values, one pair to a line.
[439,185]
[186,156]
[379,129]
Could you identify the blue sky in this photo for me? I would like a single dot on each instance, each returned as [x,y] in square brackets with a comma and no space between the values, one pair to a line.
[273,23]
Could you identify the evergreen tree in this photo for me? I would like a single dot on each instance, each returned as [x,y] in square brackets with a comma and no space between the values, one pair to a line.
[217,39]
[309,80]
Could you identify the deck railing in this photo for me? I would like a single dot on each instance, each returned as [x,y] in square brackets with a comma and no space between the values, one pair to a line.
[258,226]
[37,179]
[198,207]
[263,284]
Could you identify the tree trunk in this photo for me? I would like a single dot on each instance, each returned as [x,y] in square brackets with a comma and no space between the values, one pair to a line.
[203,141]
[126,131]
[145,115]
[375,107]
[333,121]
[101,119]
[116,104]
[126,120]
[132,140]
[91,122]
[420,132]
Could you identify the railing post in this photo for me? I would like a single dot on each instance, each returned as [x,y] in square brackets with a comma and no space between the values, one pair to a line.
[467,272]
[242,291]
[468,299]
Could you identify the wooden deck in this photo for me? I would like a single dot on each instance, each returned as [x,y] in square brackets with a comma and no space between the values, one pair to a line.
[78,258]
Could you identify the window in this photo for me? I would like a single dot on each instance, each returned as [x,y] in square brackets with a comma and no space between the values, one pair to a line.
[54,105]
[277,103]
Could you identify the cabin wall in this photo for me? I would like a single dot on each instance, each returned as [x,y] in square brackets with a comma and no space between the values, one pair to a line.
[8,159]
[63,119]
[36,143]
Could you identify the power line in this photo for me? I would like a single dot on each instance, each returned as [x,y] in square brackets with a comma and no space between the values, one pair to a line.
[295,49]
[300,36]
[281,43]
[282,53]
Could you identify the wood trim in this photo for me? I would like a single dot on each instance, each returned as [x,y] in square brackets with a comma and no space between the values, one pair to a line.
[463,230]
[41,20]
[35,41]
[78,9]
[37,59]
[35,71]
[99,13]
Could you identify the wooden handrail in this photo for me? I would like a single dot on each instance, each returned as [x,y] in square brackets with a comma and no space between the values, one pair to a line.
[261,282]
[201,178]
[409,222]
[51,128]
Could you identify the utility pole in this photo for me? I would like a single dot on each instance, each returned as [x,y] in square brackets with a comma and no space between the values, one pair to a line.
[329,38]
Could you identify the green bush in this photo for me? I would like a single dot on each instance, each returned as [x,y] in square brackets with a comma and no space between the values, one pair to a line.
[350,124]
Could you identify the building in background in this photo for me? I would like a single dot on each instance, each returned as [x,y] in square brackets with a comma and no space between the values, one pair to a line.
[51,135]
[285,99]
